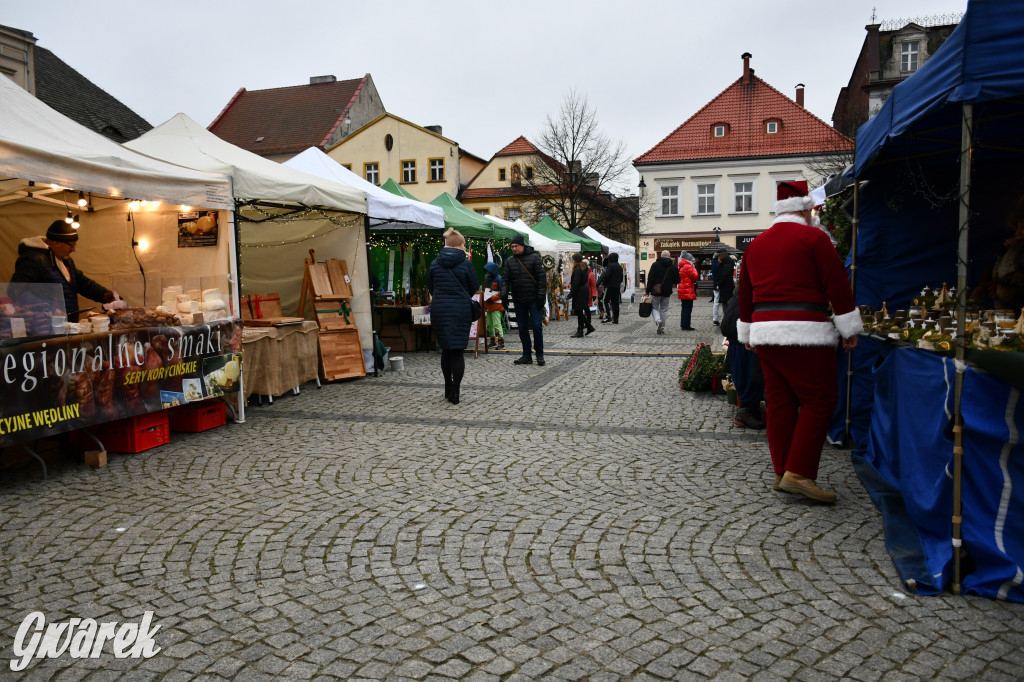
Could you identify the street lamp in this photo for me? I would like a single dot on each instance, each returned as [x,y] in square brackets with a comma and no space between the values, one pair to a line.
[642,186]
[717,230]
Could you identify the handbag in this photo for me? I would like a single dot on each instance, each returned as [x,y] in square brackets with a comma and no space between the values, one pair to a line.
[474,309]
[646,307]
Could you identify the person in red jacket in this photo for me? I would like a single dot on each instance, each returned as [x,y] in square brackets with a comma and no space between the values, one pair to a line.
[791,274]
[687,289]
[592,281]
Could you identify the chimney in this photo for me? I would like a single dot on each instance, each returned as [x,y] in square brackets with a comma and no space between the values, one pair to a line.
[434,129]
[746,67]
[872,44]
[800,95]
[313,80]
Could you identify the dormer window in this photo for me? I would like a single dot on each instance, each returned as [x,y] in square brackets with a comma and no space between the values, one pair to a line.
[720,129]
[908,56]
[771,127]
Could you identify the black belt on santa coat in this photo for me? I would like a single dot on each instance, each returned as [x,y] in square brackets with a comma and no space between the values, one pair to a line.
[767,306]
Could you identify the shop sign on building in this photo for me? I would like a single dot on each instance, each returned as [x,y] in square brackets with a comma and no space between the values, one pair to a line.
[743,241]
[681,243]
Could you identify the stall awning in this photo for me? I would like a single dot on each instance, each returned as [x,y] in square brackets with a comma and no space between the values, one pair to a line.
[467,222]
[979,62]
[182,141]
[549,228]
[380,204]
[44,146]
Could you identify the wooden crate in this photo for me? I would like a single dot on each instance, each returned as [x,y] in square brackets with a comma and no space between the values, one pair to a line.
[341,356]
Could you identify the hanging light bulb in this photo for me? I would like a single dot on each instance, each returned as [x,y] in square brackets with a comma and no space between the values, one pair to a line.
[75,224]
[143,244]
[185,208]
[69,219]
[133,205]
[155,204]
[81,200]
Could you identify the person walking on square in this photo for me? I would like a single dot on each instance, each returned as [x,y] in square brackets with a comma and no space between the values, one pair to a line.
[716,305]
[452,282]
[661,280]
[687,290]
[611,280]
[725,284]
[791,274]
[592,283]
[579,292]
[526,281]
[493,309]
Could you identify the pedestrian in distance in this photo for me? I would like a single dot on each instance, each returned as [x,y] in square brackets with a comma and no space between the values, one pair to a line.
[525,280]
[611,280]
[687,290]
[602,307]
[661,281]
[725,283]
[452,282]
[579,293]
[494,311]
[716,305]
[592,283]
[791,275]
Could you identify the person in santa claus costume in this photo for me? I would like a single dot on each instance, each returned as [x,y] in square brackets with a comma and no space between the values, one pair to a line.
[791,274]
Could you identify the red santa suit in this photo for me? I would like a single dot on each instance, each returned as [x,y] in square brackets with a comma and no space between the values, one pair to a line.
[790,274]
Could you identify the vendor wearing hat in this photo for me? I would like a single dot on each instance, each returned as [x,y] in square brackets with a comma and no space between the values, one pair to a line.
[47,260]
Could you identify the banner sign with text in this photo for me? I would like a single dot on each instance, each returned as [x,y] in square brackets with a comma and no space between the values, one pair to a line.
[65,383]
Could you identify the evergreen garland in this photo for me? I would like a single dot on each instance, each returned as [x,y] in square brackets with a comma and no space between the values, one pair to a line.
[699,370]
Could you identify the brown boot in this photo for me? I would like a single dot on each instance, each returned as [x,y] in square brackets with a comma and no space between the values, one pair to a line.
[795,483]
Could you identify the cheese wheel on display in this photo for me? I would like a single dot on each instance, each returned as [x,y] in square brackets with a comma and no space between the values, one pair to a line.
[184,307]
[194,294]
[215,304]
[212,292]
[183,298]
[185,318]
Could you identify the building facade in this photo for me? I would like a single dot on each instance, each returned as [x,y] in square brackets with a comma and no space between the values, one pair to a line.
[420,159]
[715,176]
[889,55]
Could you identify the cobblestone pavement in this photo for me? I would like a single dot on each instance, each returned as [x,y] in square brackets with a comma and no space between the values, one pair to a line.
[582,520]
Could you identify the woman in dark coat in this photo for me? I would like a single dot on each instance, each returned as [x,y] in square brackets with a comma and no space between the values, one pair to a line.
[579,292]
[452,281]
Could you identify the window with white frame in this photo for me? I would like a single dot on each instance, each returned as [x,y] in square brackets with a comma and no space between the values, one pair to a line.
[408,171]
[371,172]
[743,196]
[908,56]
[482,211]
[437,170]
[719,131]
[670,200]
[706,192]
[772,127]
[513,214]
[544,211]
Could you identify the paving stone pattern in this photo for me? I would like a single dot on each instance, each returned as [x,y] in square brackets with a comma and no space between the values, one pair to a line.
[582,520]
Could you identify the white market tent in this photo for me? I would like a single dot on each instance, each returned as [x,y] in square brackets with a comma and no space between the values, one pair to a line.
[545,246]
[381,205]
[282,213]
[627,256]
[46,159]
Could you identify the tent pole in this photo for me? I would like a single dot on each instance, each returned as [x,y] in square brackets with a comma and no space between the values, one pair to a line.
[853,287]
[966,163]
[235,273]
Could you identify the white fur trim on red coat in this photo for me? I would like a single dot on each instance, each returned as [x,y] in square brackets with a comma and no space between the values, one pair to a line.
[849,324]
[743,331]
[793,205]
[792,333]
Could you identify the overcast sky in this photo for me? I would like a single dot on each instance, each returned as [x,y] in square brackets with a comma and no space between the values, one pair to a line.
[486,72]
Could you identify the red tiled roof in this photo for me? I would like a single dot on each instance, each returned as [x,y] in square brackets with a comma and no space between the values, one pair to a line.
[520,145]
[745,108]
[288,119]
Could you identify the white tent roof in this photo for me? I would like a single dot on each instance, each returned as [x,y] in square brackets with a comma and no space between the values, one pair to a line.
[182,141]
[627,253]
[543,245]
[380,203]
[38,143]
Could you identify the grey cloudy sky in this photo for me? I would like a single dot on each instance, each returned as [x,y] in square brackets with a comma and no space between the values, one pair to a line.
[486,72]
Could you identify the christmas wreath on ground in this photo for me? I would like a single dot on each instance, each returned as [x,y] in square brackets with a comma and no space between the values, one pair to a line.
[700,372]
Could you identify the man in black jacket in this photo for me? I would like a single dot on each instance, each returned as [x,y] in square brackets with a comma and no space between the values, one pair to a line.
[662,280]
[526,280]
[47,260]
[611,280]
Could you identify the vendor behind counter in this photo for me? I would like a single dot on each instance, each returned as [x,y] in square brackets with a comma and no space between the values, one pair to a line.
[47,260]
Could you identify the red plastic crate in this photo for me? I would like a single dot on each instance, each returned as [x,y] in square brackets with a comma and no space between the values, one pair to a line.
[199,417]
[134,434]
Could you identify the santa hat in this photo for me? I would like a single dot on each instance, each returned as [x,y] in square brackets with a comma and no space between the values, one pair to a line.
[792,197]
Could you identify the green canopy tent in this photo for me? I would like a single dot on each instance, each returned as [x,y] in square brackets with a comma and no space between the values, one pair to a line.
[469,223]
[549,228]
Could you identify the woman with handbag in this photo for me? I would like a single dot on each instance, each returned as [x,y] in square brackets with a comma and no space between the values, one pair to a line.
[452,282]
[579,290]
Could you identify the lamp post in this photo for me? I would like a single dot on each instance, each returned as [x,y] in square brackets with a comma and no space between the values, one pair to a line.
[717,230]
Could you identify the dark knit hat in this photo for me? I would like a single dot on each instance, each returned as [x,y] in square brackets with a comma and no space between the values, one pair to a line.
[518,239]
[577,257]
[61,231]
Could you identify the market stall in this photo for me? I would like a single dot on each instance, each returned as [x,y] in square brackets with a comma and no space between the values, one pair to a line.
[937,198]
[131,210]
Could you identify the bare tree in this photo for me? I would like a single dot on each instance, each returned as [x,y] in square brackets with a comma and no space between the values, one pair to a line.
[826,164]
[579,169]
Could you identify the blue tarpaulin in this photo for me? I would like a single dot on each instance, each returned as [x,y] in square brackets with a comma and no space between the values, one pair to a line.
[909,226]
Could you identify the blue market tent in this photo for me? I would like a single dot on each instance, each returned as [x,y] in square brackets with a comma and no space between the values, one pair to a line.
[941,161]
